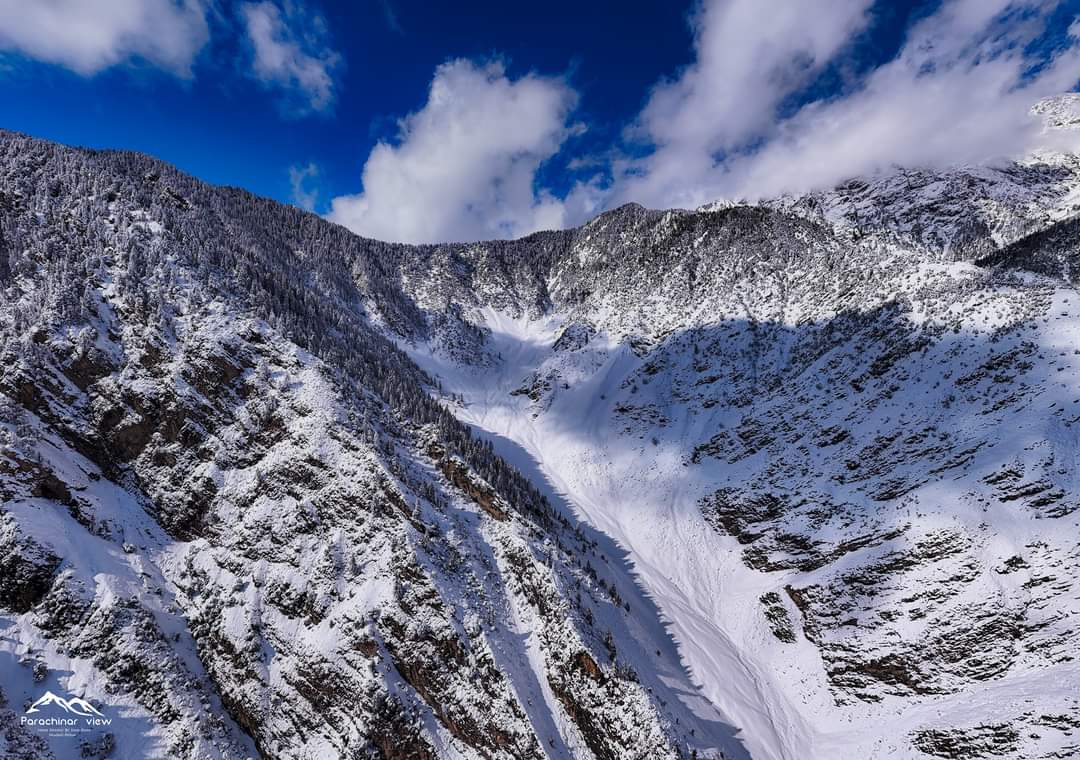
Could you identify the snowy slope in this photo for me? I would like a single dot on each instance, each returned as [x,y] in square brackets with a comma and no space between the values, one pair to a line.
[235,522]
[793,480]
[845,465]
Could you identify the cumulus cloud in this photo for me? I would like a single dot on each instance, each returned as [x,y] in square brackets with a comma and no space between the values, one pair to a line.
[750,55]
[464,166]
[302,196]
[958,92]
[746,119]
[291,53]
[88,36]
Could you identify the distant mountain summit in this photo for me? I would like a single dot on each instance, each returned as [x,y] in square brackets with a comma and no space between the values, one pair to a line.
[1060,112]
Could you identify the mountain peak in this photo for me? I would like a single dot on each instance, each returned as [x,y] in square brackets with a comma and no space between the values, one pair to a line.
[1059,111]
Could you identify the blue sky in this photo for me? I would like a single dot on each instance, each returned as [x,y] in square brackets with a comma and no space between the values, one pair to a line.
[223,127]
[430,121]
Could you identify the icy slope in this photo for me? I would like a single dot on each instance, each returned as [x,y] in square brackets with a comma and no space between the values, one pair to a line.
[870,514]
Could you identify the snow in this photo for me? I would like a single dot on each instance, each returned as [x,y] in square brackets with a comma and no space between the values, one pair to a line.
[644,498]
[111,576]
[670,557]
[820,461]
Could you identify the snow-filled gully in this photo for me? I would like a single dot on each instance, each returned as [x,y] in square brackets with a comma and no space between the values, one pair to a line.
[654,539]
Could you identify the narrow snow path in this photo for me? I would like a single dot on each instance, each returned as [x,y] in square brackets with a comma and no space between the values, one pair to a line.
[733,685]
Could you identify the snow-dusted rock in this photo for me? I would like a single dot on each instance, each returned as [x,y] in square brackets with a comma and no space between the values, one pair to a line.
[790,480]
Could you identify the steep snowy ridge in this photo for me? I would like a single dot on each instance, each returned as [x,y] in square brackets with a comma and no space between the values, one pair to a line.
[792,480]
[965,212]
[223,488]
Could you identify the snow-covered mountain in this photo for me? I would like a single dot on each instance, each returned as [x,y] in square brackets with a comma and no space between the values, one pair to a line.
[235,520]
[791,480]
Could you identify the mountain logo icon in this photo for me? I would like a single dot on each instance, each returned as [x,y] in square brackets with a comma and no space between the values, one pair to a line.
[74,705]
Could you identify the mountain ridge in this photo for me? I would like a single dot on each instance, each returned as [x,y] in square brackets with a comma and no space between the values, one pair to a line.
[147,367]
[287,462]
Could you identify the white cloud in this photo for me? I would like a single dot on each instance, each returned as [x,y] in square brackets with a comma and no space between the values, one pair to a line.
[290,52]
[90,35]
[298,177]
[749,56]
[464,166]
[958,92]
